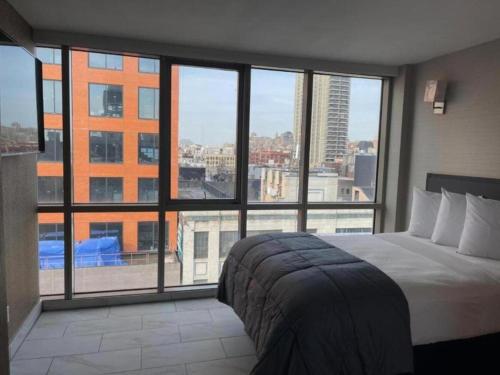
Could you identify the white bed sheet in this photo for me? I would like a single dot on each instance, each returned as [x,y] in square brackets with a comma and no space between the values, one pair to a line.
[450,295]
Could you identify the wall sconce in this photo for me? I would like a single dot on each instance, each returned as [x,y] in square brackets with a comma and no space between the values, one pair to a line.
[435,93]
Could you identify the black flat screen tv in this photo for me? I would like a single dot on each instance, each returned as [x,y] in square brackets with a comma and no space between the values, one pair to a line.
[21,100]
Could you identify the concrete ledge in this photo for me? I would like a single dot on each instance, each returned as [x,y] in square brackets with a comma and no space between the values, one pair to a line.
[25,329]
[171,294]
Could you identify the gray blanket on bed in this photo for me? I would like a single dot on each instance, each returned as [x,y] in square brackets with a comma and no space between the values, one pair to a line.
[314,309]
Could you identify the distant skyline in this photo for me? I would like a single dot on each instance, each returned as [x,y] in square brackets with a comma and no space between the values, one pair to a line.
[208,104]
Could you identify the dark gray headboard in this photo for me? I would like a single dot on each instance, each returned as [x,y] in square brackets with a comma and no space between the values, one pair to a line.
[487,187]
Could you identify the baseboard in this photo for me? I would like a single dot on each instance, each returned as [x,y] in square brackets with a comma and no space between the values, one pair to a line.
[25,329]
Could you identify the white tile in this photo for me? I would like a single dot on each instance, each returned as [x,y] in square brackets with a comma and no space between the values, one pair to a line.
[59,317]
[154,321]
[223,314]
[47,331]
[198,304]
[58,347]
[229,366]
[100,326]
[170,370]
[202,331]
[38,366]
[141,309]
[238,346]
[174,354]
[137,339]
[97,363]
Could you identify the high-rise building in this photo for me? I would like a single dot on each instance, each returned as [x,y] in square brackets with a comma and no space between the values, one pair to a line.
[330,118]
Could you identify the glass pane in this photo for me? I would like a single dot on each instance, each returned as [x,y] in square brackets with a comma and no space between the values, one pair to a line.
[112,148]
[204,122]
[275,124]
[340,221]
[148,190]
[49,55]
[53,147]
[114,62]
[148,103]
[202,241]
[97,60]
[344,139]
[50,189]
[51,253]
[149,65]
[110,251]
[271,221]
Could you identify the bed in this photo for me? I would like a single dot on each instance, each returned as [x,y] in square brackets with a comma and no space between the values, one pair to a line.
[453,300]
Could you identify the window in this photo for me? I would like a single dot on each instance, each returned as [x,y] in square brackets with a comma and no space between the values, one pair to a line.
[206,139]
[105,100]
[148,189]
[344,138]
[340,221]
[51,232]
[114,230]
[275,128]
[271,221]
[49,55]
[106,189]
[105,61]
[226,241]
[148,148]
[200,245]
[149,99]
[149,65]
[147,235]
[53,146]
[106,147]
[50,189]
[52,96]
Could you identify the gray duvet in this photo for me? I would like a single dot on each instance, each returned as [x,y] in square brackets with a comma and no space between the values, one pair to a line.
[314,309]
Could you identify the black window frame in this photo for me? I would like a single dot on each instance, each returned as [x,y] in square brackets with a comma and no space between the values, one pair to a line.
[52,148]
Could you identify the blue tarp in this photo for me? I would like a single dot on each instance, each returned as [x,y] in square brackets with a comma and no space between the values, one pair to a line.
[94,252]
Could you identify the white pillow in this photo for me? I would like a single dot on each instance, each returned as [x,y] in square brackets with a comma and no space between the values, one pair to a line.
[481,234]
[450,219]
[424,210]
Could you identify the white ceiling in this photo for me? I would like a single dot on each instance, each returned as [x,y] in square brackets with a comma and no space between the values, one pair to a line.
[390,32]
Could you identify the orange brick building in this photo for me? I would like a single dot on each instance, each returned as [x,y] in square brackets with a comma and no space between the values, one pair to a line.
[126,127]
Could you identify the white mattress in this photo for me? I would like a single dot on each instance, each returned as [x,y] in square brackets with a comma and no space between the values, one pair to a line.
[450,296]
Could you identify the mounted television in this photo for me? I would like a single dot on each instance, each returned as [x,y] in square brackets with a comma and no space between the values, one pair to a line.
[21,100]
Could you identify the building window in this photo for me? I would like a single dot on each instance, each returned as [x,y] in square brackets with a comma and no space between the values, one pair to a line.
[148,189]
[49,55]
[106,147]
[51,232]
[53,146]
[100,230]
[106,189]
[149,65]
[148,148]
[226,242]
[200,245]
[52,96]
[105,61]
[50,189]
[149,100]
[147,235]
[105,100]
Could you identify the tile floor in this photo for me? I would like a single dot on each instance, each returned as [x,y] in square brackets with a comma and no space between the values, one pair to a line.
[191,337]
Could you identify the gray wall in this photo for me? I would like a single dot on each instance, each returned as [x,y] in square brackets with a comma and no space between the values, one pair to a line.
[466,140]
[18,219]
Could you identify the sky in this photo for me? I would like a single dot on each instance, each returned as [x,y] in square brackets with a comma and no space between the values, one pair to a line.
[208,103]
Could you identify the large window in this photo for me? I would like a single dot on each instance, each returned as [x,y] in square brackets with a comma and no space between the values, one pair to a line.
[50,189]
[148,148]
[148,189]
[105,61]
[49,55]
[207,127]
[106,189]
[53,146]
[105,100]
[241,151]
[149,65]
[106,147]
[149,101]
[52,101]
